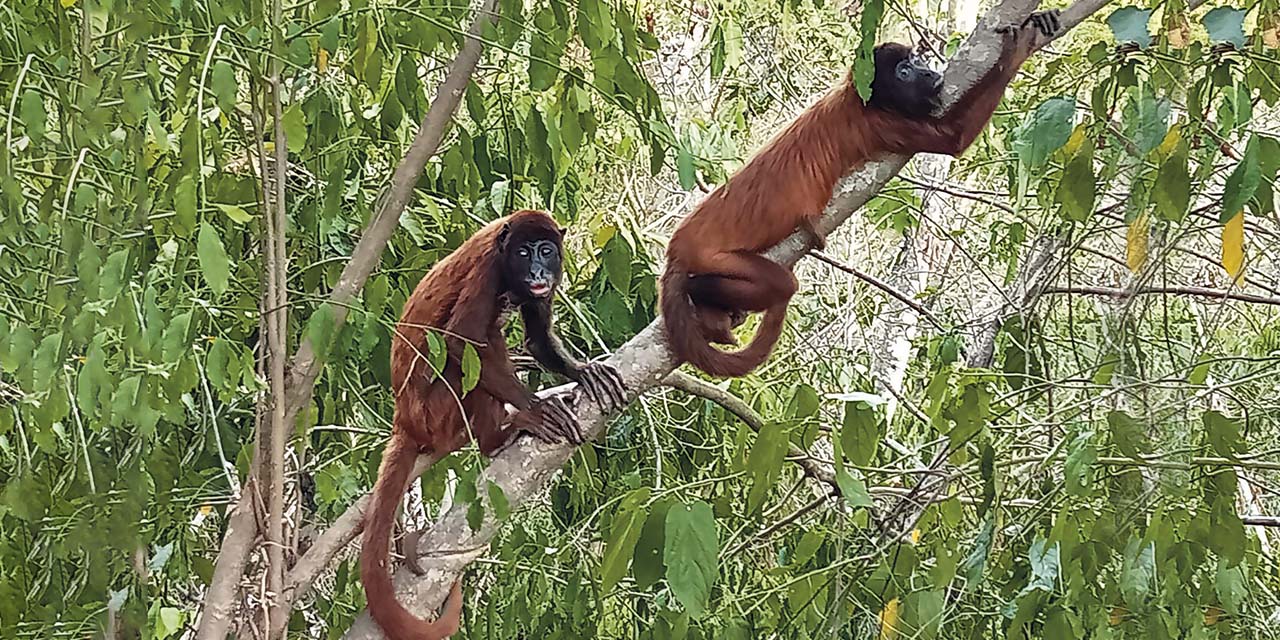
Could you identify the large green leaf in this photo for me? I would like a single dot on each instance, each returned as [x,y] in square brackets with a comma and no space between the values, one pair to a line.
[1044,131]
[1242,182]
[621,541]
[214,263]
[764,464]
[691,555]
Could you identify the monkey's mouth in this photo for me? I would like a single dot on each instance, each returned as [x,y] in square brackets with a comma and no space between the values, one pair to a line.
[539,289]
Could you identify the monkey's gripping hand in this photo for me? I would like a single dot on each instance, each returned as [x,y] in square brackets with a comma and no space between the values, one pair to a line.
[1023,38]
[549,420]
[603,384]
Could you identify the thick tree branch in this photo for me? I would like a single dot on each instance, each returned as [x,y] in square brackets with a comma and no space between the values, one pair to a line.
[524,468]
[220,601]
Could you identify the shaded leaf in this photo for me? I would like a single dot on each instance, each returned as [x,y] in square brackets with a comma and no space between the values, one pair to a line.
[691,555]
[214,264]
[1127,434]
[1226,25]
[1044,131]
[623,534]
[1223,434]
[1242,182]
[764,463]
[1129,24]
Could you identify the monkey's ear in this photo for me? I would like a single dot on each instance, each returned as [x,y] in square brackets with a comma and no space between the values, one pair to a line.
[562,230]
[503,236]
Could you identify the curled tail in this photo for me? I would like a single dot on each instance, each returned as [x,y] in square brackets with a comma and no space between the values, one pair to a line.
[686,338]
[397,623]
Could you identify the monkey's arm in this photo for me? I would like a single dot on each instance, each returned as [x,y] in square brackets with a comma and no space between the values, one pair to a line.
[601,381]
[952,133]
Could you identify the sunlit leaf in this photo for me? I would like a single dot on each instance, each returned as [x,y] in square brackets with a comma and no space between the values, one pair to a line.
[34,117]
[864,61]
[1044,131]
[213,259]
[890,619]
[860,432]
[470,367]
[295,128]
[222,80]
[1233,246]
[1135,246]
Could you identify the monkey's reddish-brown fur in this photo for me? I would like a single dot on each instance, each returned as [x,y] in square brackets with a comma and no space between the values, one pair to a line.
[459,296]
[785,186]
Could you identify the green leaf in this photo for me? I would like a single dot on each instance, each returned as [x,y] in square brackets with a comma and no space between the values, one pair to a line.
[1129,24]
[1127,434]
[1137,572]
[217,363]
[646,564]
[1231,586]
[684,168]
[322,327]
[22,344]
[47,362]
[214,264]
[860,432]
[1146,120]
[864,67]
[1172,189]
[437,354]
[1242,182]
[470,368]
[620,546]
[1044,131]
[691,555]
[34,117]
[804,402]
[764,463]
[1226,25]
[184,205]
[1078,471]
[1224,434]
[1078,187]
[169,621]
[236,213]
[1060,625]
[295,128]
[616,259]
[112,278]
[223,82]
[853,489]
[922,613]
[498,501]
[93,380]
[174,343]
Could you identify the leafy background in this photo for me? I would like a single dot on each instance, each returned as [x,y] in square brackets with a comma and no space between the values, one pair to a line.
[1109,469]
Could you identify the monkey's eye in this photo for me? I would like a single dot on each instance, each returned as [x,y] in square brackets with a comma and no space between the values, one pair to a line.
[523,252]
[905,70]
[546,251]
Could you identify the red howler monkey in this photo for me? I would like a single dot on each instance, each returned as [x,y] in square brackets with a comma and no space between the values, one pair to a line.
[714,271]
[512,262]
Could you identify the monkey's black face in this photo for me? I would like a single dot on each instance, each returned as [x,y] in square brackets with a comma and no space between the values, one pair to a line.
[531,265]
[903,83]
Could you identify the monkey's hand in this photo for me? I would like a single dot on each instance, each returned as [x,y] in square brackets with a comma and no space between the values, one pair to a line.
[549,420]
[603,384]
[1022,40]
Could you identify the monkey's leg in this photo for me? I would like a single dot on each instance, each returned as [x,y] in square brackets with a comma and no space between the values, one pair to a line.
[816,238]
[741,281]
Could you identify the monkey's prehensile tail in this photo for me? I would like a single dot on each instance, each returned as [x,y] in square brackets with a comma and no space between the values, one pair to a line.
[686,338]
[397,622]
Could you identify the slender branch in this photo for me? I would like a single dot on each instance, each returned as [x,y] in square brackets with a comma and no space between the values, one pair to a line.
[735,405]
[527,465]
[237,542]
[1183,291]
[879,284]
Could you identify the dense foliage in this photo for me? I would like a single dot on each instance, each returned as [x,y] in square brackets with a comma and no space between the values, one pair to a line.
[1102,475]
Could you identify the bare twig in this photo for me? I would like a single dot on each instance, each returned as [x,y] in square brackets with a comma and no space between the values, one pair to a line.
[1183,291]
[879,284]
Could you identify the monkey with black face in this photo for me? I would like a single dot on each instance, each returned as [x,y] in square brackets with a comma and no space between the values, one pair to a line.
[511,263]
[715,274]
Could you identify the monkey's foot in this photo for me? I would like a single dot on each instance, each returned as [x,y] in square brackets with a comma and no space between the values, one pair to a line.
[817,239]
[1047,23]
[604,385]
[550,420]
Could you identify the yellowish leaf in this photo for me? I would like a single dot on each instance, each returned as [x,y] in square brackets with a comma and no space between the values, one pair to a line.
[1075,141]
[67,4]
[1211,615]
[1170,143]
[1118,614]
[889,618]
[322,60]
[1233,246]
[1270,27]
[915,536]
[1179,31]
[206,509]
[1136,242]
